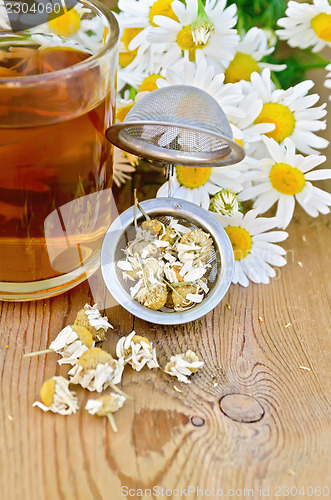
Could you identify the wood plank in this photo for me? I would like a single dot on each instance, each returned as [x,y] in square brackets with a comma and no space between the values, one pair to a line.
[183,438]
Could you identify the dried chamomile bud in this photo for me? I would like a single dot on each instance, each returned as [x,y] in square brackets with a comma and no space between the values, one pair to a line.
[137,351]
[56,397]
[106,406]
[71,343]
[183,365]
[196,246]
[153,225]
[96,370]
[154,297]
[90,317]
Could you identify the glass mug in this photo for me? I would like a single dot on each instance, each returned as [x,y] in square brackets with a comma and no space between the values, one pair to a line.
[57,98]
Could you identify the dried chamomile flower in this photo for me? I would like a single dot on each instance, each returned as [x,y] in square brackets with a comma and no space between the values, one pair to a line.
[186,296]
[154,296]
[172,272]
[143,242]
[90,317]
[152,225]
[137,351]
[195,246]
[56,397]
[183,365]
[169,236]
[105,406]
[71,343]
[96,370]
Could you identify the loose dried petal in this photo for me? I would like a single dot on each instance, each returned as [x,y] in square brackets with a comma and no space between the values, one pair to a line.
[56,397]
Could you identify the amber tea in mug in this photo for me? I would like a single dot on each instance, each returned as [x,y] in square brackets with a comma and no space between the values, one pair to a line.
[56,101]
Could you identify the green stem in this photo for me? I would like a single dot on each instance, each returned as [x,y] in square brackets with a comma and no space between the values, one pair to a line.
[37,353]
[119,391]
[112,422]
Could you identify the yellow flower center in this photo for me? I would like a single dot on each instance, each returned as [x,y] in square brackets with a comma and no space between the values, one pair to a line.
[281,116]
[239,141]
[47,392]
[192,177]
[240,68]
[91,358]
[185,38]
[67,24]
[241,241]
[122,112]
[287,179]
[149,83]
[161,8]
[321,24]
[84,335]
[125,58]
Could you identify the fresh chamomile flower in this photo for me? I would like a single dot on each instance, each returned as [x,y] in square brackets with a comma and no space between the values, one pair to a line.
[66,24]
[225,202]
[90,317]
[284,178]
[183,365]
[327,82]
[4,20]
[56,396]
[250,51]
[253,248]
[203,75]
[96,370]
[291,112]
[196,184]
[207,28]
[124,164]
[105,406]
[135,20]
[137,351]
[307,25]
[246,132]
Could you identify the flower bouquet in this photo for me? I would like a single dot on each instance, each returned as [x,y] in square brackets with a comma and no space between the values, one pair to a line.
[237,53]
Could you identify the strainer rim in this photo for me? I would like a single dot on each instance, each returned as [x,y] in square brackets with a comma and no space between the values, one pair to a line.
[155,206]
[176,157]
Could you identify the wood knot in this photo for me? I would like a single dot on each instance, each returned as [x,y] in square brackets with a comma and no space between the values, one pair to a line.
[241,408]
[197,421]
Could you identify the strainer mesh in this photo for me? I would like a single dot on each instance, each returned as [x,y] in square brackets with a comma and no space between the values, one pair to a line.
[214,262]
[186,107]
[177,139]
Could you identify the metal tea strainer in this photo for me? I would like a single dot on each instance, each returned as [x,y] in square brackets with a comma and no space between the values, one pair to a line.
[175,125]
[179,125]
[221,262]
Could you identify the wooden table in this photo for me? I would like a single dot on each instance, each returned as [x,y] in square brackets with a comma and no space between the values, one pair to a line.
[256,416]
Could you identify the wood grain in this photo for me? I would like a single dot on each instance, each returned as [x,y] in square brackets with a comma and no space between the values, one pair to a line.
[257,414]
